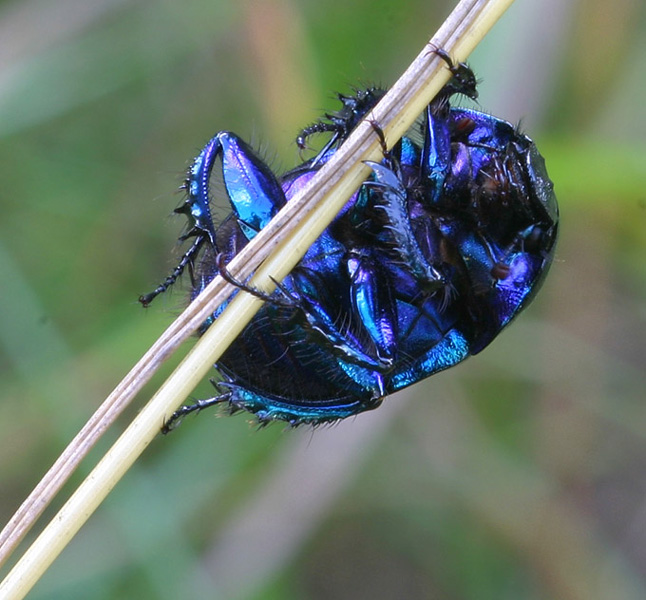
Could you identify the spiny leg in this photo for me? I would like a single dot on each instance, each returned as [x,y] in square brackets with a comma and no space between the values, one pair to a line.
[319,127]
[313,318]
[288,302]
[342,122]
[176,418]
[187,260]
[394,204]
[463,81]
[382,139]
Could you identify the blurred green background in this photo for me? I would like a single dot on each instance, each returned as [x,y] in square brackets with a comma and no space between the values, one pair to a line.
[521,474]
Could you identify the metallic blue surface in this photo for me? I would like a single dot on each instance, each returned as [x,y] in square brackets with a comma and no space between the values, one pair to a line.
[444,244]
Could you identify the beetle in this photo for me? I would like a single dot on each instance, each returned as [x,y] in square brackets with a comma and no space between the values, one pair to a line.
[441,247]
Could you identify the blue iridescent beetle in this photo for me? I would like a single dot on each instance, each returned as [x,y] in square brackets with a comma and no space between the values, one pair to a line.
[445,243]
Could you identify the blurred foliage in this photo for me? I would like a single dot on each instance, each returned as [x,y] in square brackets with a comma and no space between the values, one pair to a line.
[520,474]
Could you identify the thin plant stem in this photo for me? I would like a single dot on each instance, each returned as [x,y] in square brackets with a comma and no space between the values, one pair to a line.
[269,257]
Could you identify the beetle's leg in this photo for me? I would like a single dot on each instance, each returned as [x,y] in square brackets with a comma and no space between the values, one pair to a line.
[198,212]
[318,127]
[186,260]
[253,190]
[394,204]
[381,136]
[314,317]
[340,123]
[175,419]
[437,158]
[436,153]
[452,349]
[286,301]
[374,303]
[463,81]
[338,132]
[225,395]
